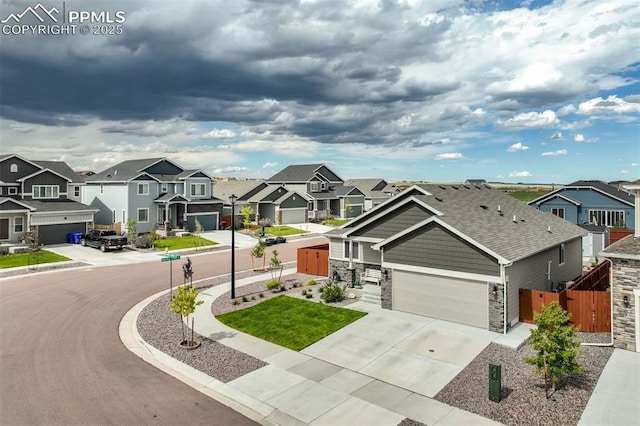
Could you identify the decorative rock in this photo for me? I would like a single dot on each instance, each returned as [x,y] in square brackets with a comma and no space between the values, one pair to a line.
[351,296]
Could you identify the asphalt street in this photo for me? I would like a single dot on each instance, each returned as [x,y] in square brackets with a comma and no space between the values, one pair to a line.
[61,358]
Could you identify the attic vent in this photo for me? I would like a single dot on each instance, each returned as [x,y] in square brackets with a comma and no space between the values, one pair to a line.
[549,229]
[108,176]
[454,187]
[467,186]
[515,219]
[484,207]
[522,220]
[499,209]
[442,187]
[439,199]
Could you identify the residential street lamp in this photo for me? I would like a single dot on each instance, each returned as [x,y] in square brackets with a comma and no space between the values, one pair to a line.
[233,200]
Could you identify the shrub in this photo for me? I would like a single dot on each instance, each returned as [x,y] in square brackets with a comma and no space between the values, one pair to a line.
[311,282]
[555,344]
[261,295]
[253,298]
[244,299]
[143,241]
[310,290]
[304,292]
[274,285]
[332,292]
[235,302]
[309,295]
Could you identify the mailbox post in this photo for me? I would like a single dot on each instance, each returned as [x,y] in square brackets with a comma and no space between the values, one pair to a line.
[495,382]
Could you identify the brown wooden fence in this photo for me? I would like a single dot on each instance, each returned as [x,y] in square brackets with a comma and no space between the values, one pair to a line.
[314,260]
[616,234]
[586,300]
[113,227]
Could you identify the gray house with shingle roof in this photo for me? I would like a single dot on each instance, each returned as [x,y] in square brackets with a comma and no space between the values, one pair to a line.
[325,192]
[157,193]
[375,190]
[459,253]
[41,197]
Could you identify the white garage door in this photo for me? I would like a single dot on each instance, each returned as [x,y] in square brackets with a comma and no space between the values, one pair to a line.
[292,216]
[450,299]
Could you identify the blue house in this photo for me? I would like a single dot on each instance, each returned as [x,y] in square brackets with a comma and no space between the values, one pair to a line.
[594,205]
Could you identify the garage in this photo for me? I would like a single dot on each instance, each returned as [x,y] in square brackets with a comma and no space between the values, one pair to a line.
[293,216]
[209,221]
[450,299]
[57,234]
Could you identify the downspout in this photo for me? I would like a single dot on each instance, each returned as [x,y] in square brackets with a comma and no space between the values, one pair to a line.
[611,308]
[503,276]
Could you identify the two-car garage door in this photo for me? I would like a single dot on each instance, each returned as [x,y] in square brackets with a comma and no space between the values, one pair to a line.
[445,298]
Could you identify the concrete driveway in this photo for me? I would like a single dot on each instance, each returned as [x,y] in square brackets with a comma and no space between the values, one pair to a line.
[409,351]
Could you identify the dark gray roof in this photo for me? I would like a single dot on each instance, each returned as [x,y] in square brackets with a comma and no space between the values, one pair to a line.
[50,206]
[61,168]
[486,216]
[295,173]
[594,228]
[123,171]
[169,196]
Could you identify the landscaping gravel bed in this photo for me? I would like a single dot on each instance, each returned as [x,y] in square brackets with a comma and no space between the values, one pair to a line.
[11,272]
[523,397]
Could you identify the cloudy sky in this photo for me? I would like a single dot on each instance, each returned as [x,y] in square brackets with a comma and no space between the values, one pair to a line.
[438,90]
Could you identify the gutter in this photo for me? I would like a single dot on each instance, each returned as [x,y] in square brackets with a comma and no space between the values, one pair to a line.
[611,308]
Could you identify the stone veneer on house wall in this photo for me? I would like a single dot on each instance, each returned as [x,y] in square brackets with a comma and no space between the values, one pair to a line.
[626,278]
[496,308]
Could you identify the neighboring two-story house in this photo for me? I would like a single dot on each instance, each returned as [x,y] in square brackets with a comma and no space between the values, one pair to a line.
[457,252]
[593,204]
[42,197]
[157,193]
[325,192]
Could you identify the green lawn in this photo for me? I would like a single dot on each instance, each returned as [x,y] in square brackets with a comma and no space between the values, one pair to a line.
[188,241]
[290,322]
[282,231]
[22,259]
[335,222]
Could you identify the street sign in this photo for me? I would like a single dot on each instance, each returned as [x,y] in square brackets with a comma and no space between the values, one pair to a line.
[170,256]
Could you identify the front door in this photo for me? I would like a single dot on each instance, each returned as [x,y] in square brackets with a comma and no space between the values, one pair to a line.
[4,229]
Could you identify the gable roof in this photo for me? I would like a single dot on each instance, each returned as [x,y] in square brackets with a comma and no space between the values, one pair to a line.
[484,217]
[124,171]
[240,188]
[594,185]
[299,173]
[368,187]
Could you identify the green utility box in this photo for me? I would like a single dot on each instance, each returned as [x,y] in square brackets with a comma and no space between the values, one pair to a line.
[495,382]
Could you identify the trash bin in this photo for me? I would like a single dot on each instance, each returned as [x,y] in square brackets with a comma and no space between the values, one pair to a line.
[76,237]
[70,238]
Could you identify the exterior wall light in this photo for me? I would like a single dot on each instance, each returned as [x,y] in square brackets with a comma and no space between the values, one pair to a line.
[625,301]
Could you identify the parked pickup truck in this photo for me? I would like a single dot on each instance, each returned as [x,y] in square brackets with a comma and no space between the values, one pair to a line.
[103,239]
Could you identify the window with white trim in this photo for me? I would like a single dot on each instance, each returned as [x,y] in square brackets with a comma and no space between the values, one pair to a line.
[607,217]
[558,211]
[13,190]
[198,189]
[561,252]
[143,189]
[143,215]
[45,191]
[18,224]
[314,187]
[351,250]
[13,168]
[164,188]
[76,191]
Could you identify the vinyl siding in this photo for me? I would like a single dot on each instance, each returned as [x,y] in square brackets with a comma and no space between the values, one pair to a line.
[164,168]
[395,222]
[291,203]
[335,248]
[370,255]
[24,169]
[531,273]
[113,197]
[137,201]
[46,178]
[435,247]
